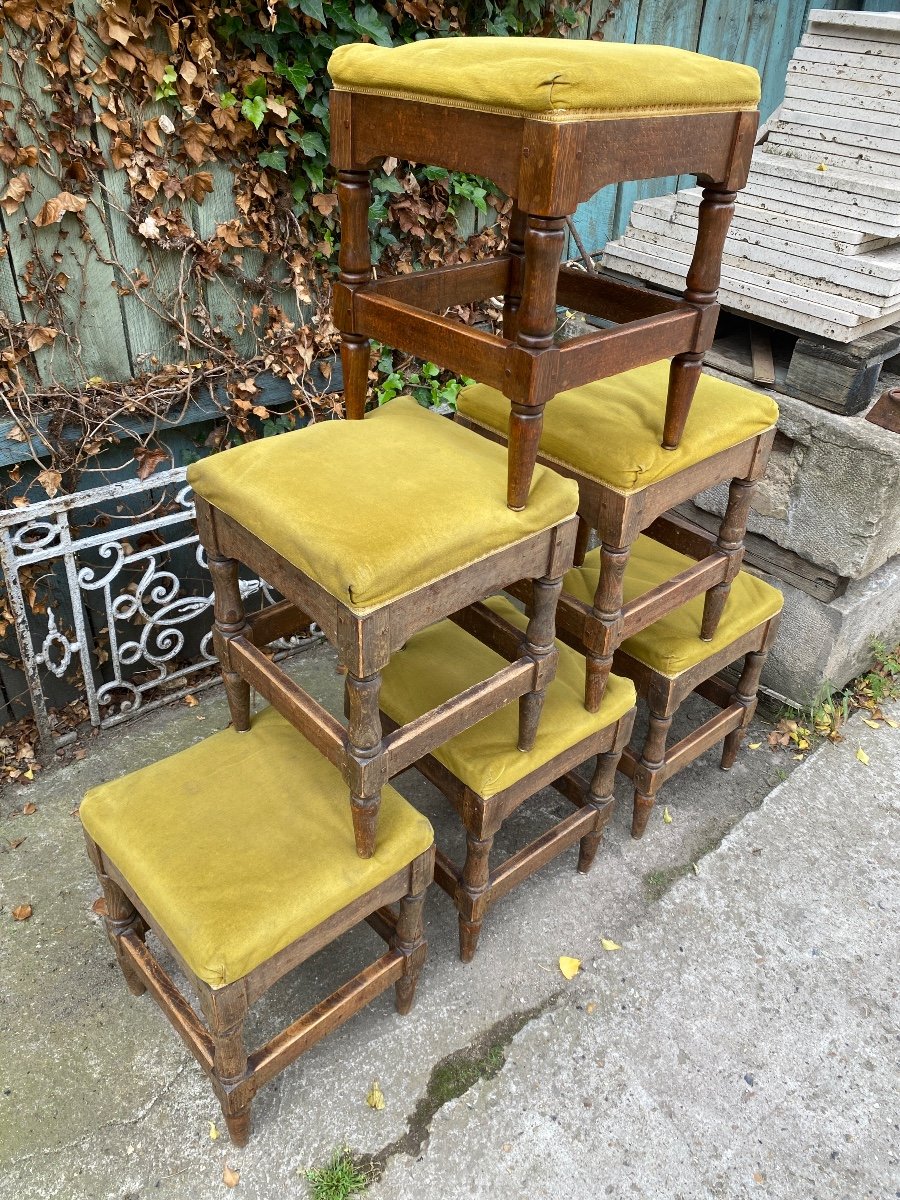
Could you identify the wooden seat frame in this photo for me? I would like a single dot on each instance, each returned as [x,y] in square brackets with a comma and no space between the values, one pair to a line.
[549,169]
[654,764]
[365,642]
[475,888]
[618,518]
[218,1046]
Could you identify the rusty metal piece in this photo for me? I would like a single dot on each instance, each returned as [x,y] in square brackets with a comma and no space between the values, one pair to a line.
[886,411]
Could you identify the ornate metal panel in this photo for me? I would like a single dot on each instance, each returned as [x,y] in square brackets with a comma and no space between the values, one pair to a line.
[127,617]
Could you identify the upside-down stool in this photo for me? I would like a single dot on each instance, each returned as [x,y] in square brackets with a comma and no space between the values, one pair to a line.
[550,121]
[480,772]
[238,853]
[606,436]
[667,661]
[375,529]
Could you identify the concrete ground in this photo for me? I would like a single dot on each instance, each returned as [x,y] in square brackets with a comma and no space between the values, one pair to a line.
[742,1043]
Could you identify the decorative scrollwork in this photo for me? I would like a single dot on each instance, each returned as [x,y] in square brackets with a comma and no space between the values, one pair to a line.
[57,641]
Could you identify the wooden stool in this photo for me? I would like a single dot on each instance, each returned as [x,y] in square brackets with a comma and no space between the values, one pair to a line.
[606,436]
[374,530]
[667,661]
[238,853]
[480,772]
[550,121]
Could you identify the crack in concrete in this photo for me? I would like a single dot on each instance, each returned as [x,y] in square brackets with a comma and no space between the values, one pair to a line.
[117,1123]
[452,1077]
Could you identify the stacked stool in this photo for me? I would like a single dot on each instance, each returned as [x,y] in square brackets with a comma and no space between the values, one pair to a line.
[397,533]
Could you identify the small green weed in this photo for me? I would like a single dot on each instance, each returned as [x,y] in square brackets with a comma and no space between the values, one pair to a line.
[340,1179]
[430,385]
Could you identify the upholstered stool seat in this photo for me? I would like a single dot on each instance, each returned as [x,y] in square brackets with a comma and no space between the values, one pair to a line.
[239,854]
[482,774]
[610,431]
[374,510]
[667,660]
[672,644]
[549,79]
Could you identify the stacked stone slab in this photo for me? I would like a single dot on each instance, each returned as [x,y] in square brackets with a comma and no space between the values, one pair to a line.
[815,240]
[815,248]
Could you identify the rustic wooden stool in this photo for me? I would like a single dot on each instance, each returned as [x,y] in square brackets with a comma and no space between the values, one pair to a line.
[375,530]
[605,436]
[238,853]
[480,772]
[550,121]
[667,660]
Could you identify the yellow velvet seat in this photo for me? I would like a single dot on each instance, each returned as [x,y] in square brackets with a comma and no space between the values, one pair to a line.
[243,843]
[444,660]
[549,79]
[671,645]
[611,431]
[373,510]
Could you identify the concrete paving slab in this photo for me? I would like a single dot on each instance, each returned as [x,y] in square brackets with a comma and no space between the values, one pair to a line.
[99,1099]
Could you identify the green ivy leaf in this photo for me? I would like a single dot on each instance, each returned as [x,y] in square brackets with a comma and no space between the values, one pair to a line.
[314,9]
[256,89]
[311,144]
[276,159]
[297,74]
[227,100]
[369,22]
[254,111]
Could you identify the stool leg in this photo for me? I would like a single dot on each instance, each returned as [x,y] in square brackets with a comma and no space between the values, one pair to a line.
[545,239]
[365,745]
[582,541]
[121,917]
[540,645]
[512,297]
[354,198]
[474,884]
[409,940]
[730,543]
[225,1011]
[607,611]
[653,759]
[229,623]
[601,799]
[716,210]
[745,694]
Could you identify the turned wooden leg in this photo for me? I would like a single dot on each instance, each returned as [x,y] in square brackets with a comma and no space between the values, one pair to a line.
[512,297]
[474,885]
[364,746]
[582,541]
[714,217]
[120,918]
[730,543]
[607,612]
[355,266]
[601,799]
[540,645]
[745,694]
[225,1011]
[653,759]
[229,623]
[410,942]
[535,320]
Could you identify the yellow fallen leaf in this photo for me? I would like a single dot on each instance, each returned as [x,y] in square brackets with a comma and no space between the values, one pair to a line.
[667,816]
[230,1177]
[890,721]
[191,701]
[871,724]
[589,1008]
[375,1098]
[862,756]
[213,1132]
[569,966]
[608,944]
[754,745]
[822,167]
[29,774]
